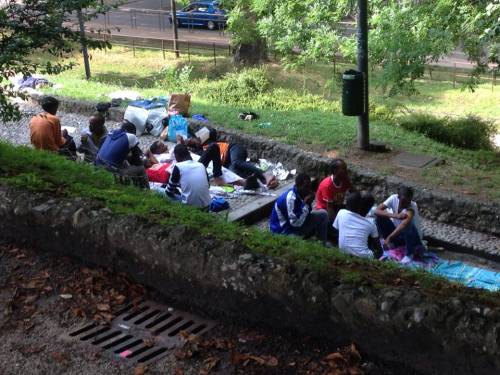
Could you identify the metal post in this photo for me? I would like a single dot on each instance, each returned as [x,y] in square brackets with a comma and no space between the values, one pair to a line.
[215,58]
[163,48]
[363,120]
[159,21]
[174,27]
[189,52]
[133,47]
[454,74]
[84,44]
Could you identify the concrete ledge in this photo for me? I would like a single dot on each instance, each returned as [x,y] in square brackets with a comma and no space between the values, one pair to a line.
[435,333]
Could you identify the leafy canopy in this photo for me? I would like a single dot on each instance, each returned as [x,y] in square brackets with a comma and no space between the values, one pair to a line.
[35,27]
[404,34]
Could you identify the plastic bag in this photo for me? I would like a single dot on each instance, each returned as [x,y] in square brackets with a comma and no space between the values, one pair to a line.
[155,118]
[138,117]
[177,125]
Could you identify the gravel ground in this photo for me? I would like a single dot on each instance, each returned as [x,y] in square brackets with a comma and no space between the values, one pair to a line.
[35,322]
[18,133]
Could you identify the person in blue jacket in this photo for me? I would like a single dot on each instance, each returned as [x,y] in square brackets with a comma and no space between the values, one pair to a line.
[293,215]
[120,153]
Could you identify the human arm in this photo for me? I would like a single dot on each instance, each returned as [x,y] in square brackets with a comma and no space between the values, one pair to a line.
[174,183]
[298,221]
[57,133]
[404,223]
[381,211]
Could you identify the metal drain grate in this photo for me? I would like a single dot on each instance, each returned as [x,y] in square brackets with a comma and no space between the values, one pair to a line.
[142,334]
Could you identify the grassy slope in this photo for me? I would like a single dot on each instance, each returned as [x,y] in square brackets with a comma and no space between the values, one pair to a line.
[474,172]
[45,172]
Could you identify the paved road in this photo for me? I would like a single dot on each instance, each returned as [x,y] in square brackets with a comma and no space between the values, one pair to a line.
[154,24]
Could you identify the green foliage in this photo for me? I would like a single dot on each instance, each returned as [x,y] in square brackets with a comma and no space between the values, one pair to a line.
[404,34]
[238,88]
[252,88]
[469,132]
[31,26]
[175,79]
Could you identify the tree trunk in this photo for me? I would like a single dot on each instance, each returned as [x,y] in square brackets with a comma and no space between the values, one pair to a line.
[250,54]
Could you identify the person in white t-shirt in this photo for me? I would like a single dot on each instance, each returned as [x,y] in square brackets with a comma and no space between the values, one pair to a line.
[398,222]
[354,228]
[189,180]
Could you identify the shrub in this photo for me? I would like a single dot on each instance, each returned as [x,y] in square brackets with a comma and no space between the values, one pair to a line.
[176,79]
[470,132]
[237,88]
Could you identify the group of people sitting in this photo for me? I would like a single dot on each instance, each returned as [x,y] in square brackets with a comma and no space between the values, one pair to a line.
[361,228]
[118,151]
[340,212]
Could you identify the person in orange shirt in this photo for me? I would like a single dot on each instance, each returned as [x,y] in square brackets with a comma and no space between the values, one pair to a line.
[45,129]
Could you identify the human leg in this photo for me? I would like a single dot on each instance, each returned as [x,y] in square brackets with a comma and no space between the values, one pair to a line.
[212,154]
[316,224]
[385,227]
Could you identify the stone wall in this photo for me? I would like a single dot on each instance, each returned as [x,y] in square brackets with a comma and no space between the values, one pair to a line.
[433,334]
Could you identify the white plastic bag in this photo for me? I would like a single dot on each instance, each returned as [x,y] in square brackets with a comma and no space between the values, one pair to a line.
[138,117]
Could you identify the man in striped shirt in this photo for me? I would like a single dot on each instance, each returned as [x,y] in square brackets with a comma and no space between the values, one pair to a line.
[292,212]
[189,180]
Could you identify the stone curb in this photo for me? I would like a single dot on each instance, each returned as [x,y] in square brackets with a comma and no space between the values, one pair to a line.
[446,332]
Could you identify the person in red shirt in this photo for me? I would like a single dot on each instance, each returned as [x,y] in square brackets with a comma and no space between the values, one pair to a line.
[332,190]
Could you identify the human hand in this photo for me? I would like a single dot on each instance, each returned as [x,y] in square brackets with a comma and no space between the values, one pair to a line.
[309,198]
[387,243]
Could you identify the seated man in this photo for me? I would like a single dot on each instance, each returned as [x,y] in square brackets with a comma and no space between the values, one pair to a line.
[332,190]
[355,229]
[120,153]
[93,137]
[292,212]
[45,130]
[401,227]
[189,180]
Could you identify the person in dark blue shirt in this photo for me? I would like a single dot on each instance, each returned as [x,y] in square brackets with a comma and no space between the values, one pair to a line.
[292,212]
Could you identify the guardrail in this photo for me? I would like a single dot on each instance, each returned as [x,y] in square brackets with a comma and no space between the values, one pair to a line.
[184,47]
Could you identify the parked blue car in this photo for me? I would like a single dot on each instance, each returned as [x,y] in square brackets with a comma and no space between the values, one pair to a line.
[203,14]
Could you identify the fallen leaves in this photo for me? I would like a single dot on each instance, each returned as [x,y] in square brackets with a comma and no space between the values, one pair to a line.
[344,362]
[60,357]
[140,369]
[244,359]
[209,364]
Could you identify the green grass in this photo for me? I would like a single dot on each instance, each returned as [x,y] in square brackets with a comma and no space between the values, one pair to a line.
[303,108]
[38,171]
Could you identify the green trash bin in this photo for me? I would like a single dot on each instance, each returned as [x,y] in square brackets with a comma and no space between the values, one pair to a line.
[352,93]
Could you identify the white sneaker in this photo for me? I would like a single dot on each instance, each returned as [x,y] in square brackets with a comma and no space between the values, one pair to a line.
[406,259]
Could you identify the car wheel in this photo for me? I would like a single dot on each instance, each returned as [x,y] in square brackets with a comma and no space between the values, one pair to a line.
[211,25]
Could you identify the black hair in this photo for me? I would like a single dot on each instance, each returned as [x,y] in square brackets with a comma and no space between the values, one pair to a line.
[128,127]
[181,152]
[367,202]
[353,201]
[301,178]
[212,135]
[336,164]
[49,103]
[252,183]
[405,192]
[98,127]
[154,147]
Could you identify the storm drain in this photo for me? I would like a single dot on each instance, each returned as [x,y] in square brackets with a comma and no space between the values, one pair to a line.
[143,333]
